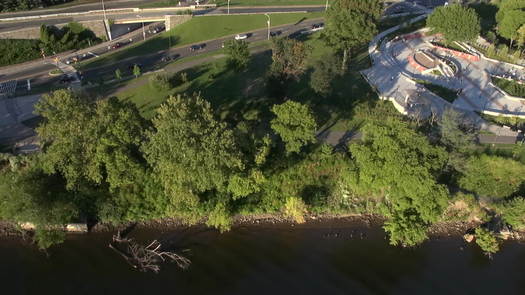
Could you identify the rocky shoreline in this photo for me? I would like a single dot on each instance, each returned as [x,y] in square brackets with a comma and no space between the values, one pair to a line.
[438,230]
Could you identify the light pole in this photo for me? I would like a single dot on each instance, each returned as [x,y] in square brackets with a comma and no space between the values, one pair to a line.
[326,6]
[104,10]
[228,6]
[143,31]
[268,22]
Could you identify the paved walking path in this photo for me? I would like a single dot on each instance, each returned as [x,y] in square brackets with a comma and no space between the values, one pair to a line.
[393,76]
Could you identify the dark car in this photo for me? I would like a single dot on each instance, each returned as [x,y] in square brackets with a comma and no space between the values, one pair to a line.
[170,58]
[116,45]
[197,47]
[317,27]
[275,33]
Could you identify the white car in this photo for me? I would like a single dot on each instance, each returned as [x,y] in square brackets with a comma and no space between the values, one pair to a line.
[241,36]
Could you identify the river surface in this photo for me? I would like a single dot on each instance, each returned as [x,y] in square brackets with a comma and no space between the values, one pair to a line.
[321,258]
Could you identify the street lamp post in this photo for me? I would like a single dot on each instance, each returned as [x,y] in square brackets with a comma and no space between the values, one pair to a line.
[326,6]
[143,31]
[104,10]
[228,6]
[268,22]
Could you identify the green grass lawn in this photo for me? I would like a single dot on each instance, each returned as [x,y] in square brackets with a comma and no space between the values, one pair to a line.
[511,87]
[200,29]
[243,96]
[268,2]
[507,121]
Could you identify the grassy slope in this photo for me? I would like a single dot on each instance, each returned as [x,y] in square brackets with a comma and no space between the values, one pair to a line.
[168,3]
[200,29]
[511,87]
[243,96]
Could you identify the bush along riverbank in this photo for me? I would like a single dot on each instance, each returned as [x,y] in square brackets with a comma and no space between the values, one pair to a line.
[188,164]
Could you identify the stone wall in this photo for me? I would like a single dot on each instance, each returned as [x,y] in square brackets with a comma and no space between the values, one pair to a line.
[97,26]
[175,20]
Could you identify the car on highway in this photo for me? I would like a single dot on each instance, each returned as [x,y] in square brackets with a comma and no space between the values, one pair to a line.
[275,33]
[241,36]
[317,27]
[170,58]
[197,47]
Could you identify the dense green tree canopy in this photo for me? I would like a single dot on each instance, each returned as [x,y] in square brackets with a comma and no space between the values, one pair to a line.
[325,71]
[492,176]
[238,54]
[288,58]
[190,151]
[295,124]
[510,24]
[95,142]
[351,23]
[455,22]
[506,6]
[457,133]
[400,165]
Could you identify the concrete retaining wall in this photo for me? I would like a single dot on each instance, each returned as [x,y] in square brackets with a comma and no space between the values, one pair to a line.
[97,26]
[175,20]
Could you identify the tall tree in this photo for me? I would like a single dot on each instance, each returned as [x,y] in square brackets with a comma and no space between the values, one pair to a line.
[295,124]
[86,141]
[447,20]
[288,58]
[400,166]
[325,71]
[350,24]
[288,64]
[238,54]
[457,132]
[508,27]
[508,5]
[190,151]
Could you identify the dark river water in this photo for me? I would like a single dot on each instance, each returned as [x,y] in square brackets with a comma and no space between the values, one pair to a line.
[310,259]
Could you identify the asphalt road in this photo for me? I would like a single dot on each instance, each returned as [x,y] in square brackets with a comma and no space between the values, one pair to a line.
[154,60]
[39,73]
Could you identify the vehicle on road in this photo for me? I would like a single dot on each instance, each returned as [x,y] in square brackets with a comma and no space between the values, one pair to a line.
[241,36]
[275,33]
[197,47]
[158,29]
[170,58]
[116,45]
[317,27]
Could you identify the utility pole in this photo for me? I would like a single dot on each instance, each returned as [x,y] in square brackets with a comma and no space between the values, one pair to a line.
[104,10]
[106,23]
[268,22]
[228,6]
[326,6]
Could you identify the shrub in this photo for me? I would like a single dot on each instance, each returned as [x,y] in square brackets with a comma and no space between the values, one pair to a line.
[487,241]
[513,213]
[295,209]
[160,82]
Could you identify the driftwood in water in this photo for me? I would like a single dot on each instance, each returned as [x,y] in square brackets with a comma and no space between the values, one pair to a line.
[145,258]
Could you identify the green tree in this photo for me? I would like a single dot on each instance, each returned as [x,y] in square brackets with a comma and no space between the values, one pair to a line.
[400,166]
[190,151]
[160,82]
[288,58]
[29,195]
[487,241]
[295,124]
[447,20]
[86,141]
[350,24]
[136,71]
[506,6]
[325,71]
[520,37]
[492,176]
[457,133]
[118,74]
[238,54]
[513,213]
[511,22]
